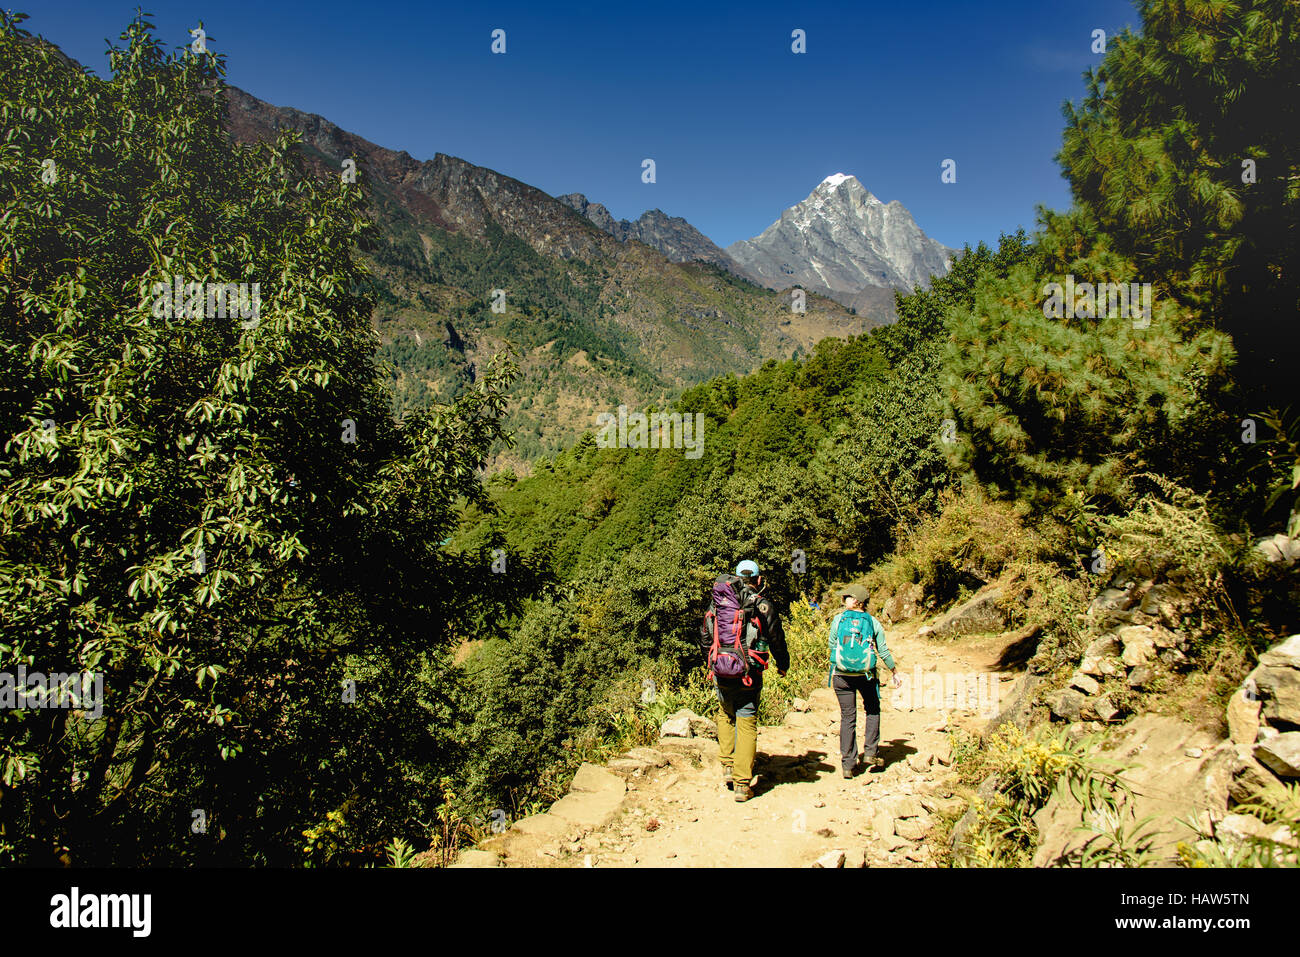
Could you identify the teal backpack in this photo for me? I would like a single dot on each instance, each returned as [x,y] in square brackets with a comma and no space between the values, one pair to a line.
[855,644]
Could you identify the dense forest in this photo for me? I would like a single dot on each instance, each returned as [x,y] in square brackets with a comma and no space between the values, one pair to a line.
[329,636]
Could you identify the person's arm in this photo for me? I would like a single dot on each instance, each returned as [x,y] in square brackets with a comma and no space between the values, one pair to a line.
[830,651]
[706,631]
[775,634]
[882,649]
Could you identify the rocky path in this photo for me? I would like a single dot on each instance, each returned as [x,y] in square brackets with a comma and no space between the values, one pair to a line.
[666,806]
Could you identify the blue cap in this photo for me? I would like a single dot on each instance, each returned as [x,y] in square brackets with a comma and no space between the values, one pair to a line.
[746,568]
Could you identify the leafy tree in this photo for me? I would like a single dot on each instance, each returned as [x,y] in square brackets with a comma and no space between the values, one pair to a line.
[218,514]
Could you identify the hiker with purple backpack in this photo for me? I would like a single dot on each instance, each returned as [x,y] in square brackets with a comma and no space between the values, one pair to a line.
[740,631]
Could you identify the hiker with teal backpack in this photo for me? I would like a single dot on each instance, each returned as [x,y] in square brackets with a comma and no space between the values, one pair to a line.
[857,643]
[740,632]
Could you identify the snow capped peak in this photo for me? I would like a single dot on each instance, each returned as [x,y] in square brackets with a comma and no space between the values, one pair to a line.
[840,240]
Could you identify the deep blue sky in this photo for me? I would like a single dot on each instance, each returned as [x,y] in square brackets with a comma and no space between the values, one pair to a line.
[739,126]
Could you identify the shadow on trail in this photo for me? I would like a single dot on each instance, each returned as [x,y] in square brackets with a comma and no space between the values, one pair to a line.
[894,751]
[774,770]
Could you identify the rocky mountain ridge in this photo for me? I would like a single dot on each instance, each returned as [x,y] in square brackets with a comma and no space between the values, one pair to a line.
[673,236]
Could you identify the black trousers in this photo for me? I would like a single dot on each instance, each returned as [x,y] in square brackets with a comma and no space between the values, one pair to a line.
[847,688]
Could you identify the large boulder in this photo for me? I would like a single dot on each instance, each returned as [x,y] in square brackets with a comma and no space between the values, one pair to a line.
[1281,754]
[594,798]
[1243,714]
[1279,549]
[678,724]
[904,605]
[1249,777]
[1019,706]
[981,613]
[1277,682]
[703,727]
[1286,654]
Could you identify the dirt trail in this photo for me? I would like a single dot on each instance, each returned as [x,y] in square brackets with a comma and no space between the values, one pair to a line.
[666,806]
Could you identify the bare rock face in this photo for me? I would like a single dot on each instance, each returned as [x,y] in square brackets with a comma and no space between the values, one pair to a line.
[673,236]
[1277,680]
[904,605]
[1243,715]
[1167,782]
[840,241]
[981,613]
[1281,754]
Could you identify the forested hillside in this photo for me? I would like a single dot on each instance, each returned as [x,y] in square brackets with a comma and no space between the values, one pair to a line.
[332,632]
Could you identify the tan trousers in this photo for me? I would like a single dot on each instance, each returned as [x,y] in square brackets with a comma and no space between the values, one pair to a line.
[737,743]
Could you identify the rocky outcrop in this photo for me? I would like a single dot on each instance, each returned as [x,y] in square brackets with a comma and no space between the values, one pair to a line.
[1175,771]
[687,724]
[1279,549]
[1264,717]
[1142,638]
[904,604]
[595,797]
[1181,778]
[678,240]
[981,613]
[1276,681]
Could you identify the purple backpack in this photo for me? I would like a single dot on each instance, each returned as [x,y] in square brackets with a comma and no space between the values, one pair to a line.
[729,656]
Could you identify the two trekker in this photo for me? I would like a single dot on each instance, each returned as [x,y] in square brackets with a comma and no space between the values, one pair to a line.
[740,632]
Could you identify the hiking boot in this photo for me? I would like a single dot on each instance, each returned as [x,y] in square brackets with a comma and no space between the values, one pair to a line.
[743,792]
[726,778]
[874,763]
[848,774]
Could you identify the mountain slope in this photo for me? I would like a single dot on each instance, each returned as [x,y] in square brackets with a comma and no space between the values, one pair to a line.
[844,243]
[596,322]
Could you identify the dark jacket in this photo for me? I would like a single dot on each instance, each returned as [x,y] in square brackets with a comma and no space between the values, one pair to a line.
[770,625]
